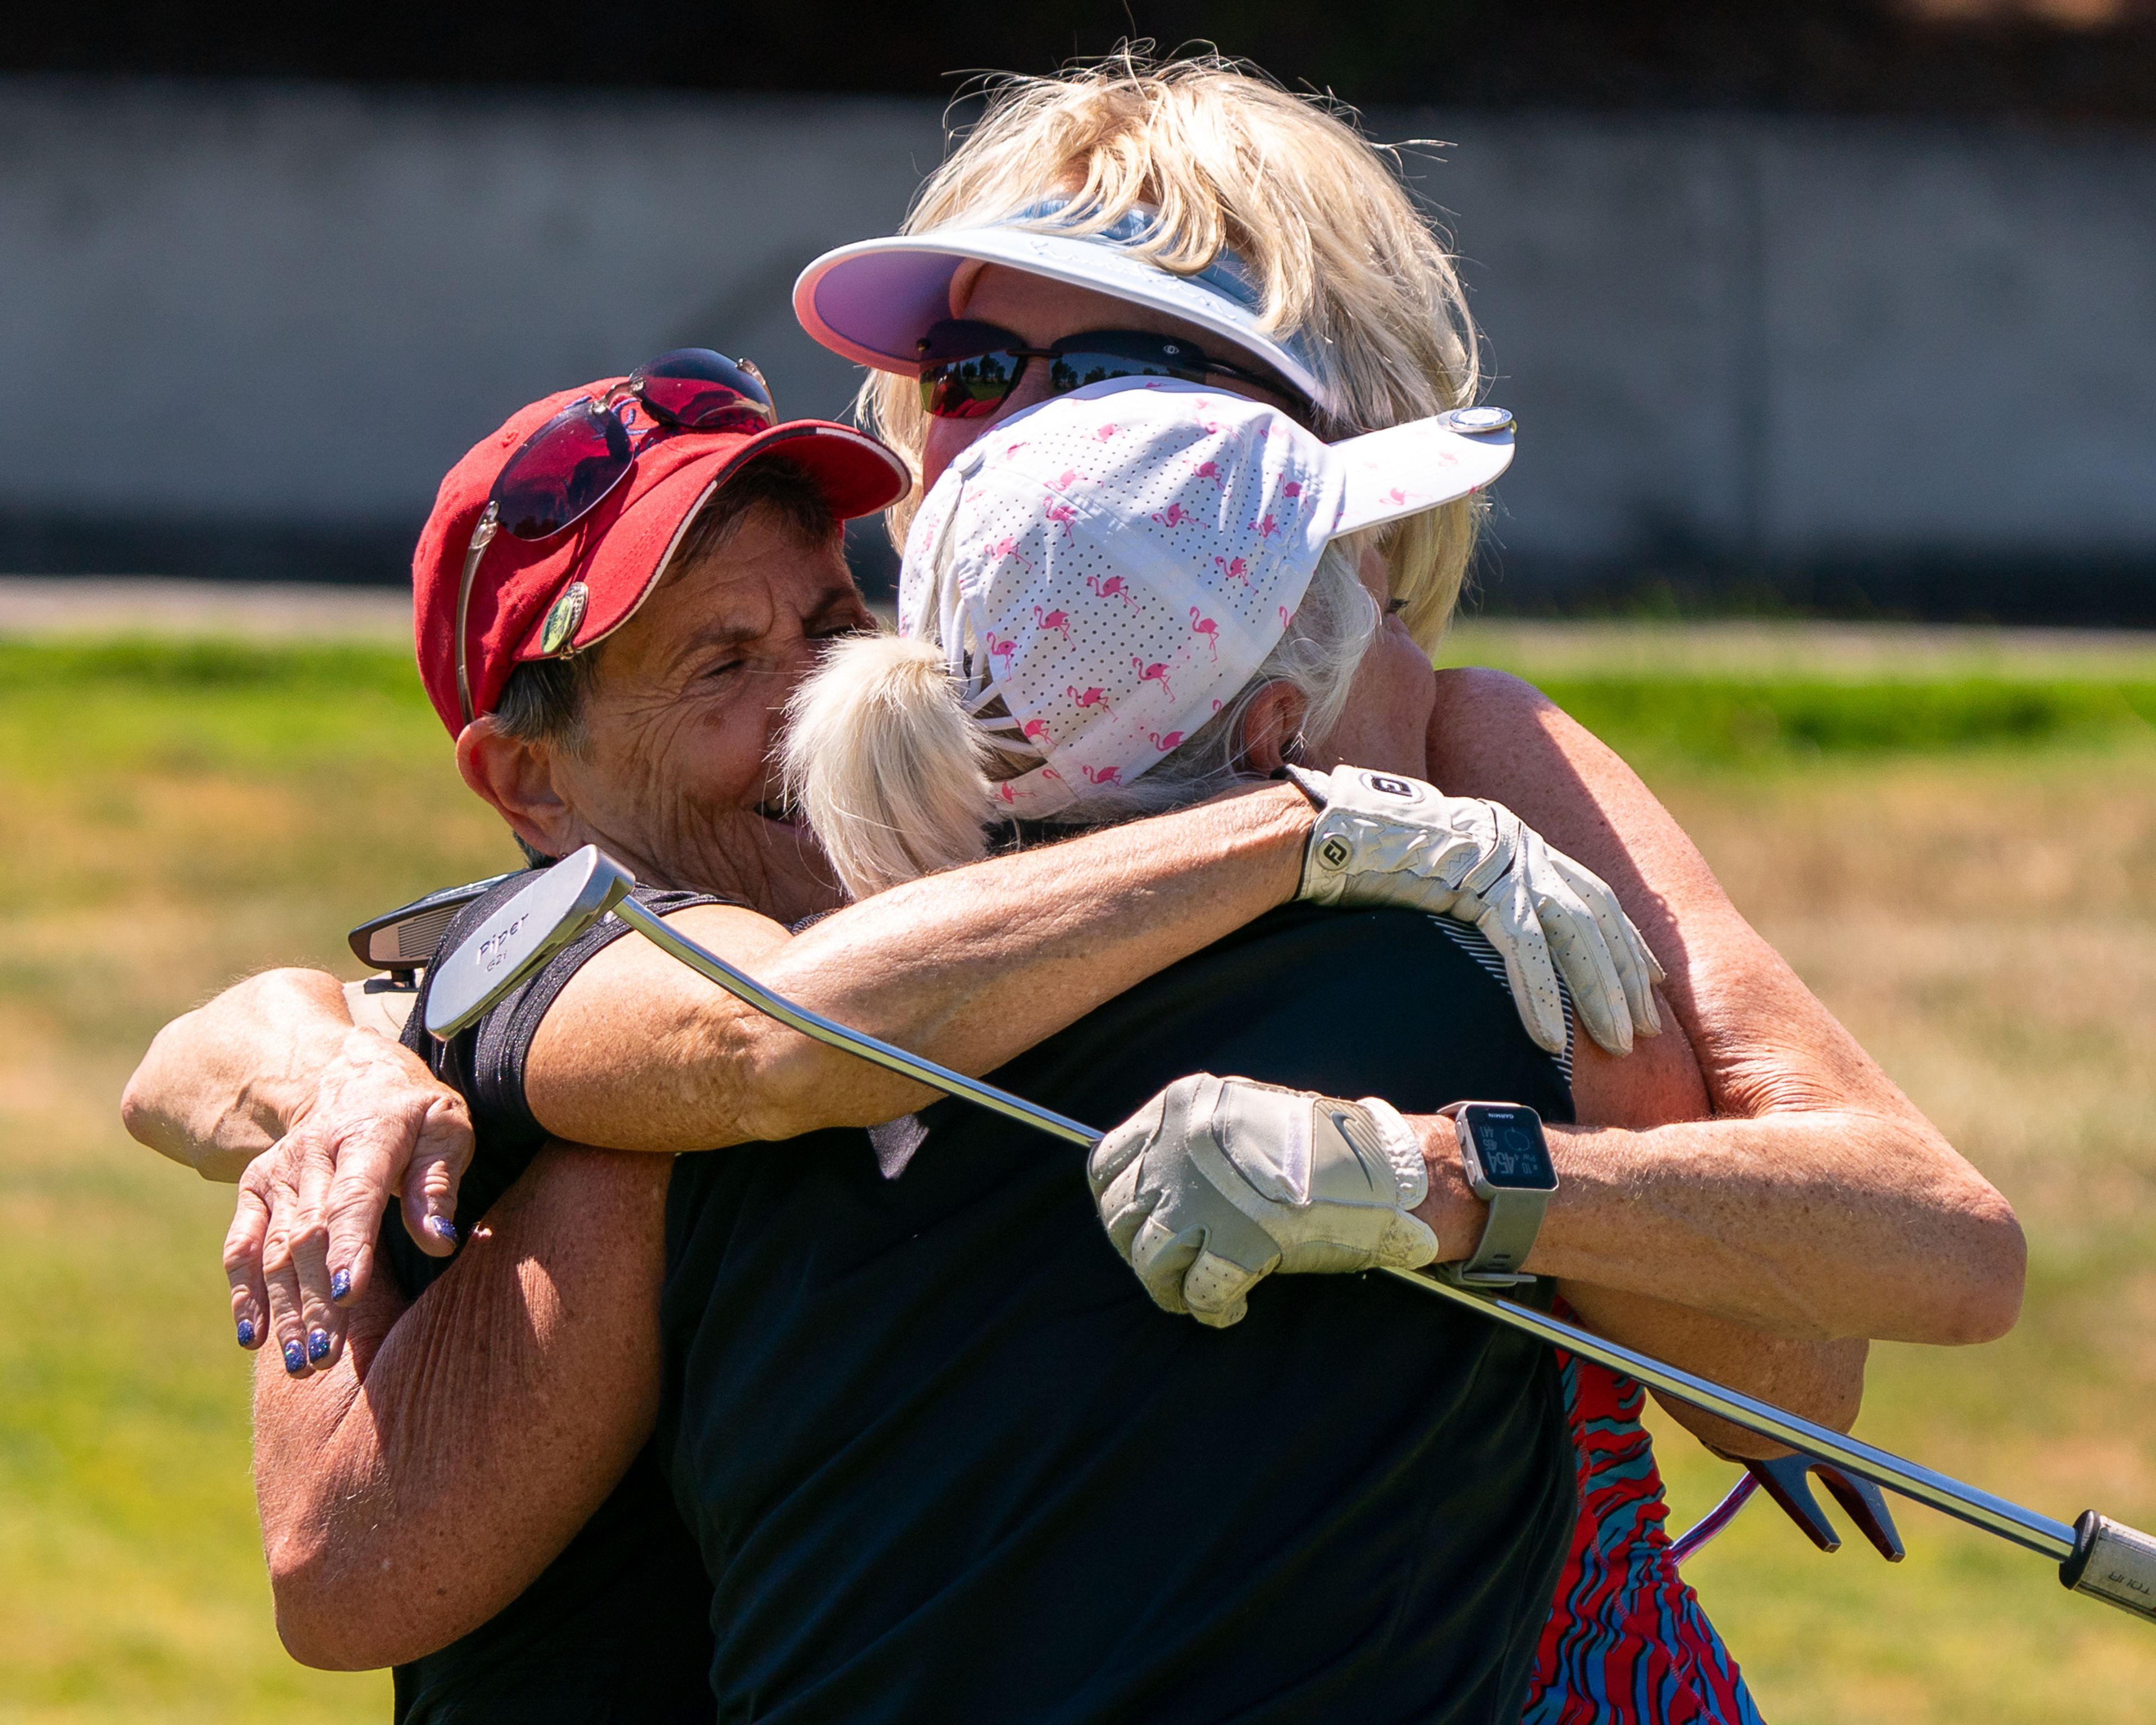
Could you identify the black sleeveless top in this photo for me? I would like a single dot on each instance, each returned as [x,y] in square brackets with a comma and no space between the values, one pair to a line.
[947,1462]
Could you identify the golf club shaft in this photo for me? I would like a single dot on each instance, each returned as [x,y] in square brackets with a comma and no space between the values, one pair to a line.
[2025,1527]
[1980,1509]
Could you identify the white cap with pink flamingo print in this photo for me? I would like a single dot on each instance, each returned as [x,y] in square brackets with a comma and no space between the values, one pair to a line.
[1107,569]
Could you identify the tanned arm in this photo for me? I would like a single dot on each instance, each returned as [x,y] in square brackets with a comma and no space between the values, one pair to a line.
[1780,1114]
[400,1510]
[221,1084]
[970,967]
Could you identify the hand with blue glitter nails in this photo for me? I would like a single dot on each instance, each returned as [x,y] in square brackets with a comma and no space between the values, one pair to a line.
[300,1251]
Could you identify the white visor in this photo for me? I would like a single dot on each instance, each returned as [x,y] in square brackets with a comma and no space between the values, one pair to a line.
[874,301]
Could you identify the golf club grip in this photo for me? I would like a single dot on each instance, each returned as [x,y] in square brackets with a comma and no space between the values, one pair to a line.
[2114,1562]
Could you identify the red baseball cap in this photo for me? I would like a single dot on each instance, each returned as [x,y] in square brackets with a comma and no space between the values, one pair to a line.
[549,597]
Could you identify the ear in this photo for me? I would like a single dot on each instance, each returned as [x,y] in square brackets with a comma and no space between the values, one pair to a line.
[1272,728]
[516,777]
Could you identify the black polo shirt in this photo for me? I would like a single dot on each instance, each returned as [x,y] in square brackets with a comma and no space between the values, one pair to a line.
[947,1462]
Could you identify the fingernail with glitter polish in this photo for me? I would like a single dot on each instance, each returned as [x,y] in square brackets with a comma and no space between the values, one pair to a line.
[442,1227]
[341,1285]
[318,1345]
[246,1332]
[296,1358]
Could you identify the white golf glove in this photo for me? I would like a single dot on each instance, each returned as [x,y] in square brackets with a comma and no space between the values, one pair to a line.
[1383,839]
[1217,1183]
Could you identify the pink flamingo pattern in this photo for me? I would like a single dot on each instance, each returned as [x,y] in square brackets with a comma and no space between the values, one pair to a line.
[1006,549]
[1170,744]
[1206,627]
[1002,650]
[1062,514]
[1090,697]
[1174,516]
[1106,433]
[1233,568]
[1209,470]
[1035,729]
[1112,588]
[1154,674]
[1060,621]
[1106,775]
[1265,526]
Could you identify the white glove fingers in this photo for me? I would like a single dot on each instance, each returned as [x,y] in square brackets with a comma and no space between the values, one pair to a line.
[1160,1258]
[1124,1208]
[1215,1290]
[1508,923]
[1636,969]
[1123,1146]
[1579,945]
[1500,834]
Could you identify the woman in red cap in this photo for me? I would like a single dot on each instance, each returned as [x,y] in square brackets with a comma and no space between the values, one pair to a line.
[610,613]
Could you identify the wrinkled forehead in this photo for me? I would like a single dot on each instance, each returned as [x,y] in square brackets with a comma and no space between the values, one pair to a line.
[763,586]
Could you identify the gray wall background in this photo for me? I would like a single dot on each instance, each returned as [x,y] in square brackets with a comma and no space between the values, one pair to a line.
[246,328]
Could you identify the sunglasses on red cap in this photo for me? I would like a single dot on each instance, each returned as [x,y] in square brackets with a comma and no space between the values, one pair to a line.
[570,464]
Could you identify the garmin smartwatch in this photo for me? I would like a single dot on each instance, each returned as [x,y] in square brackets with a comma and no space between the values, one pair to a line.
[1506,1161]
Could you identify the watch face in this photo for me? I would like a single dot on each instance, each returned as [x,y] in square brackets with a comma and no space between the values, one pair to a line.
[1509,1144]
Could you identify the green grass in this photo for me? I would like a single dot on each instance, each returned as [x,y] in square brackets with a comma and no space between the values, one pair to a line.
[171,816]
[1960,856]
[1726,721]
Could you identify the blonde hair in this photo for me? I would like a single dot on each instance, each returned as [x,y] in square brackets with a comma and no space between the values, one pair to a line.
[1341,258]
[897,781]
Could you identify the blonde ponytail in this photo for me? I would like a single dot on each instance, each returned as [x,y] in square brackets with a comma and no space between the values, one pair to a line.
[882,761]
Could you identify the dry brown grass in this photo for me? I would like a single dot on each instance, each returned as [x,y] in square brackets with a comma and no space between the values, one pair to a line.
[1986,927]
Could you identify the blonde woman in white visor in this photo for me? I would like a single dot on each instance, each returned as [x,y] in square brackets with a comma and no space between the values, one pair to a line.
[1193,206]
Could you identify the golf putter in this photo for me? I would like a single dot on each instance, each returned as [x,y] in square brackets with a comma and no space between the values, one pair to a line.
[2096,1556]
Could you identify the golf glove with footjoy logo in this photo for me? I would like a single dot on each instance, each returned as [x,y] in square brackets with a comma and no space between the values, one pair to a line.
[1384,839]
[1218,1182]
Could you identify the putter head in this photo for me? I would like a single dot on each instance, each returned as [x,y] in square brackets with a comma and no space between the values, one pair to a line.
[513,944]
[402,942]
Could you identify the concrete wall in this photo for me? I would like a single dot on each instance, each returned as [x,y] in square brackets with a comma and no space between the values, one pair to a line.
[247,328]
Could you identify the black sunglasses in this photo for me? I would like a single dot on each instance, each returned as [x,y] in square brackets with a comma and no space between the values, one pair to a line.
[969,369]
[568,466]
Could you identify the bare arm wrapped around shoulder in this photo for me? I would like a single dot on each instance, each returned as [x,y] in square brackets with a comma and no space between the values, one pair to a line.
[970,967]
[402,1505]
[1885,1230]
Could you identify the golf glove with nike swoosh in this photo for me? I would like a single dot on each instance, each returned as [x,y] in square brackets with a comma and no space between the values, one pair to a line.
[1383,839]
[1218,1182]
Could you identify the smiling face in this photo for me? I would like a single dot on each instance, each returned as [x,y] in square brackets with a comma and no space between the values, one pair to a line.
[676,775]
